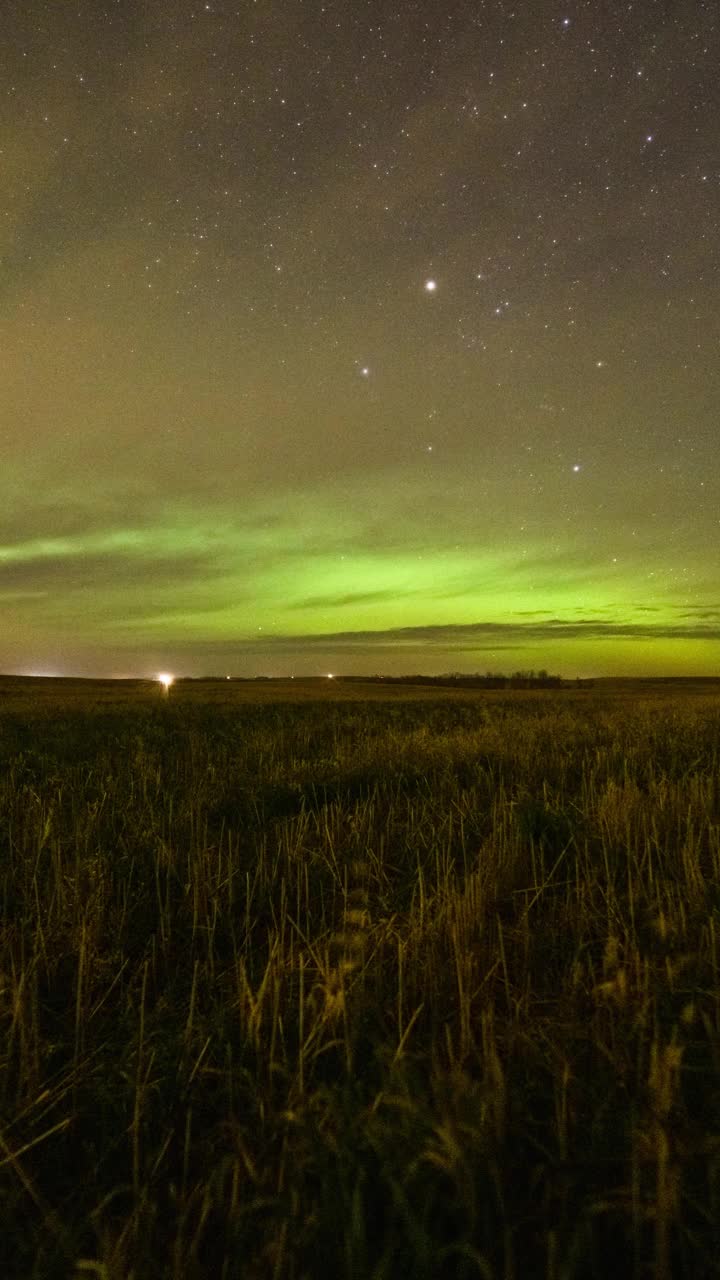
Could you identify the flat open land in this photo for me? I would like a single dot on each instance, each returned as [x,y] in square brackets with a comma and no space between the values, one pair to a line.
[309,978]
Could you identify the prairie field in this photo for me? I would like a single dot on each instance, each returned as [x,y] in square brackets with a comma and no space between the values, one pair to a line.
[308,979]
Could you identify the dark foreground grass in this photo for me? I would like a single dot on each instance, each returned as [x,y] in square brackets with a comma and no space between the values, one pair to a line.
[408,987]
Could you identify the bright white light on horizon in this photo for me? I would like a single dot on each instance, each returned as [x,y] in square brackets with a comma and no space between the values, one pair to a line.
[165,679]
[330,676]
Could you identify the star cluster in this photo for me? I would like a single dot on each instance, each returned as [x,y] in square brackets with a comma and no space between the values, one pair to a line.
[367,336]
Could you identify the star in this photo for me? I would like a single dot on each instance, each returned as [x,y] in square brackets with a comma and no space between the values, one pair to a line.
[430,286]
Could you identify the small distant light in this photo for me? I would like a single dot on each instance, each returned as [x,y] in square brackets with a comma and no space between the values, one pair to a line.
[165,679]
[576,466]
[227,677]
[330,676]
[430,286]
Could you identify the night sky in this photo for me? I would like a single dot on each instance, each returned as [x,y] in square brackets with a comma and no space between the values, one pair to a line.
[360,337]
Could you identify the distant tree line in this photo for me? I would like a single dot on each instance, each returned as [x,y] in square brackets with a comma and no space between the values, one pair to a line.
[541,679]
[531,679]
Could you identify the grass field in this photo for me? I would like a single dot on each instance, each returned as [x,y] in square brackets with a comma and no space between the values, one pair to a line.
[305,980]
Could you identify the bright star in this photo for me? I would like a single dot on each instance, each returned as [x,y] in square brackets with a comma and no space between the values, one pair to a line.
[430,286]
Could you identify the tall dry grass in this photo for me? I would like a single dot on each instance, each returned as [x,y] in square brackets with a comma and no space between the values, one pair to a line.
[422,986]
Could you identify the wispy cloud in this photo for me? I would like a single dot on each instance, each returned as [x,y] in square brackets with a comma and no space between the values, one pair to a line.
[489,634]
[342,601]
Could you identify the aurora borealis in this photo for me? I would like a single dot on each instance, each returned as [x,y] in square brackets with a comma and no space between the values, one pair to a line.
[360,337]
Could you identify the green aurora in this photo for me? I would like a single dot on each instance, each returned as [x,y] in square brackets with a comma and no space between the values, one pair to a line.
[299,587]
